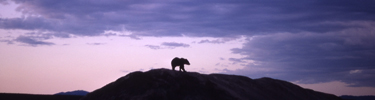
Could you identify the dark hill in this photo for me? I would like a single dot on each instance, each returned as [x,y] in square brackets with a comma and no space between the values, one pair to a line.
[165,84]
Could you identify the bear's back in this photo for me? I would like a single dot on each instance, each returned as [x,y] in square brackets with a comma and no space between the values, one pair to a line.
[176,61]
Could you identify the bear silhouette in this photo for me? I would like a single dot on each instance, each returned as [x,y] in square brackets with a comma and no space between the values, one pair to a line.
[179,62]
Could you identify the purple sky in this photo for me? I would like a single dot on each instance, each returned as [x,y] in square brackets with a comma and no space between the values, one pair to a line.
[52,46]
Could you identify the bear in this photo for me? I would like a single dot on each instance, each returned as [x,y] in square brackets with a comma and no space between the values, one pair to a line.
[179,62]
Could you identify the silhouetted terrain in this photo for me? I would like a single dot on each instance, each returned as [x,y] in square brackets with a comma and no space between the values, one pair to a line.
[77,92]
[347,97]
[165,84]
[12,96]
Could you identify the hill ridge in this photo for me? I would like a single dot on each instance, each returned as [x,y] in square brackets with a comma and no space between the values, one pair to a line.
[165,84]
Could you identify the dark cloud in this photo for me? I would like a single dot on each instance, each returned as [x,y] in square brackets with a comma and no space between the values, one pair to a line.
[218,18]
[27,23]
[31,41]
[57,27]
[4,2]
[311,57]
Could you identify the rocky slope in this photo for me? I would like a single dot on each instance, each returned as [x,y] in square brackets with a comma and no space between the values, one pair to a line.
[165,84]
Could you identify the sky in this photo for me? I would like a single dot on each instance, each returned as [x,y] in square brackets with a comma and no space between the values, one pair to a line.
[48,46]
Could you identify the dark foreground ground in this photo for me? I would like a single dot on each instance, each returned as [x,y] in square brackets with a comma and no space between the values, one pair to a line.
[347,97]
[12,96]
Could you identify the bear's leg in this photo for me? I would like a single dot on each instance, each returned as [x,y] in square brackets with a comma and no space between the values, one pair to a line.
[182,68]
[173,67]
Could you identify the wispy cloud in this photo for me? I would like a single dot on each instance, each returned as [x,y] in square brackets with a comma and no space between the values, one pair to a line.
[31,41]
[155,47]
[217,41]
[173,45]
[168,45]
[95,43]
[355,71]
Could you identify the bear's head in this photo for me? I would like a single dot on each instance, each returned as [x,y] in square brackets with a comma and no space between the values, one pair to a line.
[185,61]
